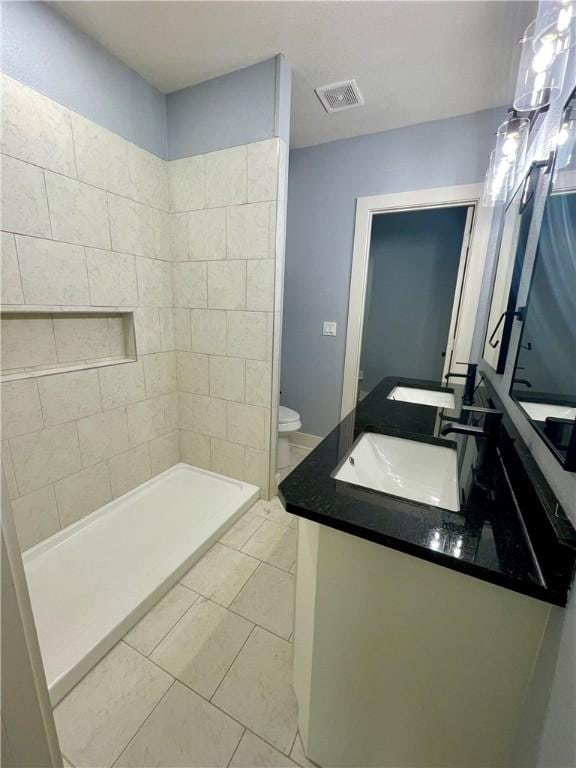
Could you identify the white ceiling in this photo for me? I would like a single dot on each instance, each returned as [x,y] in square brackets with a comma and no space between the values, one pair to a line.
[413,61]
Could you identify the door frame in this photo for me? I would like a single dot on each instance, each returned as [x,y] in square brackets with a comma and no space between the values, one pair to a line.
[469,280]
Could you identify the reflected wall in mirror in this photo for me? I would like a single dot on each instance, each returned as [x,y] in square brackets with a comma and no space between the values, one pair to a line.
[413,284]
[544,380]
[509,268]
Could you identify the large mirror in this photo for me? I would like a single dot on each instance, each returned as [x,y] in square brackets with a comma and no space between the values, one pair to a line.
[544,380]
[508,270]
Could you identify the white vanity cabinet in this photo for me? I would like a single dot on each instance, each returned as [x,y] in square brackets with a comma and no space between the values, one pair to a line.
[402,662]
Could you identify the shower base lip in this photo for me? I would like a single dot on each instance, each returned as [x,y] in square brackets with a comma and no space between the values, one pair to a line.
[91,582]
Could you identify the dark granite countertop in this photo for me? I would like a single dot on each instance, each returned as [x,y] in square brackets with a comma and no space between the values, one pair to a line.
[489,538]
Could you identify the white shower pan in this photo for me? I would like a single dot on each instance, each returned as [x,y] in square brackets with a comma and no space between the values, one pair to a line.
[90,583]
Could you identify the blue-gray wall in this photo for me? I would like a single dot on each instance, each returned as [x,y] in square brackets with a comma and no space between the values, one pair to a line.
[324,182]
[414,258]
[234,109]
[43,50]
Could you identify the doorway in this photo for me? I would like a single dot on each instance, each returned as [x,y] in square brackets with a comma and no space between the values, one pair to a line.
[413,266]
[415,286]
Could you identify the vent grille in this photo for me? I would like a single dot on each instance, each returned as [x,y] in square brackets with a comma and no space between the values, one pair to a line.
[338,96]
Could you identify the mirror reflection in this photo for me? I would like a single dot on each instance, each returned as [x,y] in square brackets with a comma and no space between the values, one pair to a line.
[509,268]
[544,381]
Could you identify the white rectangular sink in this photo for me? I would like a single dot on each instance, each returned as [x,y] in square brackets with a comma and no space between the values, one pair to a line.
[543,411]
[422,396]
[407,468]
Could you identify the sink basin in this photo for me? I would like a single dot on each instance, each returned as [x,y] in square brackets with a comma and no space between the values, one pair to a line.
[413,470]
[422,396]
[543,411]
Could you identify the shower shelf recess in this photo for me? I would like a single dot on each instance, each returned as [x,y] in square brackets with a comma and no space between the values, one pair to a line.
[42,340]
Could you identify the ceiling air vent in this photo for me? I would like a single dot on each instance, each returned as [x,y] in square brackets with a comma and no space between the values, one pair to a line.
[338,96]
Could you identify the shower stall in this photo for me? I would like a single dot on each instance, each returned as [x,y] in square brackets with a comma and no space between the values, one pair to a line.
[141,315]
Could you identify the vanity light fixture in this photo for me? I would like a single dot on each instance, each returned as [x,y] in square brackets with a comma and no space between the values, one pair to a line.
[506,159]
[511,144]
[545,45]
[497,181]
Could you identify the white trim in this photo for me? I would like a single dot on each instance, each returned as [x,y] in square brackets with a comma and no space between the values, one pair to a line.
[462,267]
[366,208]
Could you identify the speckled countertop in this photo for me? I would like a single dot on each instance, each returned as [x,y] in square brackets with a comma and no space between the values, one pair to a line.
[489,538]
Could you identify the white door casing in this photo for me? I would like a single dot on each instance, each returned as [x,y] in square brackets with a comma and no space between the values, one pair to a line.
[469,274]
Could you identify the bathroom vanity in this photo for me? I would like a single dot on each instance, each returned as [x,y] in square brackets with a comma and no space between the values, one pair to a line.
[428,565]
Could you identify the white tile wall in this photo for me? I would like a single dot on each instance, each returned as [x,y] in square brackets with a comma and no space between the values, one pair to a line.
[27,342]
[10,283]
[121,384]
[207,234]
[131,226]
[224,287]
[90,219]
[69,396]
[187,183]
[248,231]
[146,420]
[263,162]
[21,410]
[35,129]
[193,373]
[102,435]
[226,177]
[101,157]
[190,284]
[36,516]
[78,212]
[111,278]
[52,273]
[226,284]
[41,458]
[80,337]
[82,493]
[130,469]
[155,283]
[208,331]
[24,203]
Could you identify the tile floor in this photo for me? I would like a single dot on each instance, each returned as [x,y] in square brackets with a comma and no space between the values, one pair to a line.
[204,679]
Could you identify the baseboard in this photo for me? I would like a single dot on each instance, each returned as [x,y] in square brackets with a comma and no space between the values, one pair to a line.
[305,440]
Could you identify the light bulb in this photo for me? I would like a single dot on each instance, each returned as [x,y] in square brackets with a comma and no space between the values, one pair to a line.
[545,55]
[564,18]
[510,146]
[562,135]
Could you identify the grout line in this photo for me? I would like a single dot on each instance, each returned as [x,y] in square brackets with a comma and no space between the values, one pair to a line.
[236,748]
[294,743]
[225,675]
[20,282]
[45,184]
[172,626]
[67,759]
[148,716]
[189,687]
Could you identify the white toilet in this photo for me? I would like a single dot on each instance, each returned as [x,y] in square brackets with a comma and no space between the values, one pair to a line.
[288,422]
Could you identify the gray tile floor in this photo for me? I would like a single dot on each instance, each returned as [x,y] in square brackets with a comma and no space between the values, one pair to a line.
[205,678]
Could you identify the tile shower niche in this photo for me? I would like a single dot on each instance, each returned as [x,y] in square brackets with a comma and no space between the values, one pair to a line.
[45,342]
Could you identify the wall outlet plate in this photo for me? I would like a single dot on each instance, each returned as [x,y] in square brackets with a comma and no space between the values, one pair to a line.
[329,328]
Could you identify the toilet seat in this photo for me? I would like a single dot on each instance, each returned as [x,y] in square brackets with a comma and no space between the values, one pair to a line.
[288,420]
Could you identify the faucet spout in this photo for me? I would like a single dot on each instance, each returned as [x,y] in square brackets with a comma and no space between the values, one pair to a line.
[462,429]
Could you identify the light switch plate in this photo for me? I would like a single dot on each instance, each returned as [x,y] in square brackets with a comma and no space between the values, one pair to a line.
[329,328]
